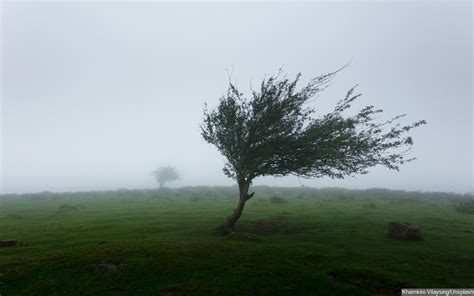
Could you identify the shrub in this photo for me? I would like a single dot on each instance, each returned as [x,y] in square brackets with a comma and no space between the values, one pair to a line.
[301,196]
[465,207]
[370,205]
[195,198]
[259,202]
[278,200]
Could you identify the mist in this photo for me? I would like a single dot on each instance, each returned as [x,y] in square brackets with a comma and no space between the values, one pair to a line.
[95,96]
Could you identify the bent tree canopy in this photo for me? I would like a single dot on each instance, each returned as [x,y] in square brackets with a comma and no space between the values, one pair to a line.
[274,132]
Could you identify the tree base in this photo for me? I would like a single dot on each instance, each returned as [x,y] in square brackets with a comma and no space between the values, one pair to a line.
[224,229]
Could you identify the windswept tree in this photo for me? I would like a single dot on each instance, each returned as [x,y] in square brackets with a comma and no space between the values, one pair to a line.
[166,174]
[274,133]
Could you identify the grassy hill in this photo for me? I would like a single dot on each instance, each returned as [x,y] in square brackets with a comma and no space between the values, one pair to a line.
[289,241]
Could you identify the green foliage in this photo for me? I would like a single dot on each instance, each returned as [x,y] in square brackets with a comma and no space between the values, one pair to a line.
[274,132]
[166,174]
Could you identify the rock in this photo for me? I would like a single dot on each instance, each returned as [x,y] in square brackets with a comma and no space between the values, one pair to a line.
[109,266]
[403,230]
[8,243]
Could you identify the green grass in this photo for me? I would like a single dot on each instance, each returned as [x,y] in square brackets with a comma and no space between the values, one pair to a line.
[321,242]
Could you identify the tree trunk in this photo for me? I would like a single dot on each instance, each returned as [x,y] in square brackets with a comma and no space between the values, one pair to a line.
[229,224]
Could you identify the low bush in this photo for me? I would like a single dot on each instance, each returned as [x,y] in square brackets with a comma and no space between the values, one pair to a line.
[68,207]
[465,207]
[278,200]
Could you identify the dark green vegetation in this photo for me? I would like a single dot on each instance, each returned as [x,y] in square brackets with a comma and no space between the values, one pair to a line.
[310,242]
[465,207]
[274,132]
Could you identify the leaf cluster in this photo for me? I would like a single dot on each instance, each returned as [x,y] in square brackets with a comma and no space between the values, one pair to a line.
[275,132]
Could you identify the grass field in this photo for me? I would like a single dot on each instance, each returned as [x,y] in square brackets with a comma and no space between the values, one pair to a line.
[289,241]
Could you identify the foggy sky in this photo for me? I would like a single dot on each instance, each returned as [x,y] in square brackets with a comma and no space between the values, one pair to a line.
[96,95]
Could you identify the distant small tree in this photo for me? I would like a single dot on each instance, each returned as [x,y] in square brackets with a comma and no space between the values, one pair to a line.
[273,133]
[166,174]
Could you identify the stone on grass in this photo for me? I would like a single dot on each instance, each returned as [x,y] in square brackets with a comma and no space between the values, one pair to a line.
[403,230]
[109,265]
[8,243]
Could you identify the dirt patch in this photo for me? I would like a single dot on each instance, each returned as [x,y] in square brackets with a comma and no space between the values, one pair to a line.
[270,227]
[110,266]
